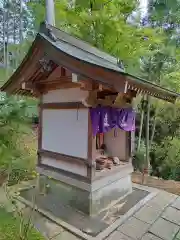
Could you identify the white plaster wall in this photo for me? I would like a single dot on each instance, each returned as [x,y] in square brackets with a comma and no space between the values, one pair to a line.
[65,131]
[65,95]
[116,144]
[65,165]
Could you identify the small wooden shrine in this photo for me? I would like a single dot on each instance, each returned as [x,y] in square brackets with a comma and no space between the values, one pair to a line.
[86,118]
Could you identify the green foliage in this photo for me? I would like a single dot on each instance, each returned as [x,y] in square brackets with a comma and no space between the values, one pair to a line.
[164,153]
[11,115]
[107,28]
[105,25]
[164,12]
[13,126]
[167,158]
[162,67]
[168,117]
[9,228]
[37,10]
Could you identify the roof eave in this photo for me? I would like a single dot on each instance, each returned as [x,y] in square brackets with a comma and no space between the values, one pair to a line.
[159,92]
[34,51]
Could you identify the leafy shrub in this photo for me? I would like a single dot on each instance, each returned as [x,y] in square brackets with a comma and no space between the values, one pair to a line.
[15,156]
[10,228]
[19,171]
[166,158]
[24,160]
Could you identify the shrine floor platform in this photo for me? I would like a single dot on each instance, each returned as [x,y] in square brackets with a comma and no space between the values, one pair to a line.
[155,216]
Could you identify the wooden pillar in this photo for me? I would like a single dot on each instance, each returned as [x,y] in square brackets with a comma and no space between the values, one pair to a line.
[90,168]
[40,130]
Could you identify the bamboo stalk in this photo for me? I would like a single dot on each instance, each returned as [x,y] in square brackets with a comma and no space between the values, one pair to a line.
[147,134]
[154,127]
[140,130]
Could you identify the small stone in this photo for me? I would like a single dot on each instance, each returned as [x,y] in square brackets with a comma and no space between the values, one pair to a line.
[116,160]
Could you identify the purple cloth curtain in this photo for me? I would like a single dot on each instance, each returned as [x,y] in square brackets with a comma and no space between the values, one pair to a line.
[105,118]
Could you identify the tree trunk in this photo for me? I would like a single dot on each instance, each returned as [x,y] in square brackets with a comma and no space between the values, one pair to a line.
[7,40]
[14,38]
[20,29]
[4,37]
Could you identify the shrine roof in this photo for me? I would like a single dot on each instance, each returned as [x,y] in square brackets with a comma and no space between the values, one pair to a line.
[50,40]
[79,49]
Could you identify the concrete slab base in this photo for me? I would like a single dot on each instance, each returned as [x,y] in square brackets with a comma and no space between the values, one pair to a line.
[91,198]
[158,227]
[126,211]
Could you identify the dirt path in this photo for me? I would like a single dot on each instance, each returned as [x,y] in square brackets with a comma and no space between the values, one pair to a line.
[167,185]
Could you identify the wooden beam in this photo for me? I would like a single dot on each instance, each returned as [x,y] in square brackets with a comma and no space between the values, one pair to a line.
[26,86]
[91,167]
[63,105]
[29,87]
[65,173]
[55,80]
[55,74]
[67,81]
[59,85]
[63,72]
[40,129]
[86,85]
[63,157]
